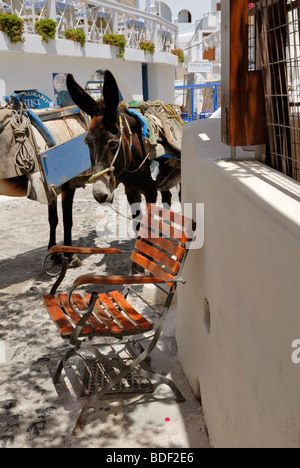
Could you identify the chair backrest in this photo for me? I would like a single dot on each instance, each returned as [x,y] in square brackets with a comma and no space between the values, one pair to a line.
[163,242]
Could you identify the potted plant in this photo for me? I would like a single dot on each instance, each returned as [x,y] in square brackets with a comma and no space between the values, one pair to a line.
[12,26]
[46,28]
[179,53]
[117,40]
[147,46]
[76,36]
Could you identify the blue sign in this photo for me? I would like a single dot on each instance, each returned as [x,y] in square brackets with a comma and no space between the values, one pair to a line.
[36,100]
[65,161]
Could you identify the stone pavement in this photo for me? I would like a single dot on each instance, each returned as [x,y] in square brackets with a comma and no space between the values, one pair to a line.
[35,413]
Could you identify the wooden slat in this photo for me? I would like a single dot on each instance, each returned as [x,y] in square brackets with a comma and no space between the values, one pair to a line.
[158,256]
[152,267]
[95,279]
[112,327]
[177,218]
[165,244]
[83,250]
[54,309]
[74,316]
[156,226]
[127,326]
[141,321]
[98,327]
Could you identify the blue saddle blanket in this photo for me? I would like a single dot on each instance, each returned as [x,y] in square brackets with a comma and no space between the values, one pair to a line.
[143,122]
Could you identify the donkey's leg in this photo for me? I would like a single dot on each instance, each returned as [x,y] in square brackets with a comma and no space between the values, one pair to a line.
[166,199]
[67,197]
[134,199]
[53,222]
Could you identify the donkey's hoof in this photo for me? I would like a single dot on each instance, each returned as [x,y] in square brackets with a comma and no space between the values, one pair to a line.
[57,259]
[75,262]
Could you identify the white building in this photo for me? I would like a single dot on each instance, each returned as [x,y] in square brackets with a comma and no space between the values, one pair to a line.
[33,64]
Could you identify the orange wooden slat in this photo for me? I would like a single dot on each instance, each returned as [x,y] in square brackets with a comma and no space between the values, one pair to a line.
[59,318]
[158,256]
[152,267]
[74,316]
[112,327]
[83,250]
[141,321]
[97,326]
[95,279]
[165,215]
[157,226]
[165,244]
[127,326]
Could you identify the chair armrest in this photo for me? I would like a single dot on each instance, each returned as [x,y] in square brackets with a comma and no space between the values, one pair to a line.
[82,250]
[94,279]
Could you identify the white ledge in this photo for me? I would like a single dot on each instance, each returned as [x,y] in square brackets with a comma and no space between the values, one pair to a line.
[63,47]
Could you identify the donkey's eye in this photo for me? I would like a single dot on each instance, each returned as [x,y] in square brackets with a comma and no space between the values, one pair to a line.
[113,144]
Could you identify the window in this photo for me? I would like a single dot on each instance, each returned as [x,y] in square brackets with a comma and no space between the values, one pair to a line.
[184,16]
[95,84]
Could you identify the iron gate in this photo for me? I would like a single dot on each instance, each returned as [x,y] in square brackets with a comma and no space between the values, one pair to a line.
[278,24]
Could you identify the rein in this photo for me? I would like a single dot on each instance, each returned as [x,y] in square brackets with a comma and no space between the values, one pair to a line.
[110,170]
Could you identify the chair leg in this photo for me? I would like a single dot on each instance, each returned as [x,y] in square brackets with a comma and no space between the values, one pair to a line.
[148,373]
[61,365]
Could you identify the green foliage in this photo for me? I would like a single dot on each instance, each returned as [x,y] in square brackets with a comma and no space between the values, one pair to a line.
[179,53]
[76,36]
[12,26]
[117,40]
[147,46]
[46,28]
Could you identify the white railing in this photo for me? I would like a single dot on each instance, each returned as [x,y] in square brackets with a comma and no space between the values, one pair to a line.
[96,18]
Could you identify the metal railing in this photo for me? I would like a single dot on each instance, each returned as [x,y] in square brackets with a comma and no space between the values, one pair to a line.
[96,18]
[190,115]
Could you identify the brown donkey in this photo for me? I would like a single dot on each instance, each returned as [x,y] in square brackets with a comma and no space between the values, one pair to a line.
[117,151]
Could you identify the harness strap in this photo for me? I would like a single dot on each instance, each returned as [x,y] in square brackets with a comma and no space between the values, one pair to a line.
[101,173]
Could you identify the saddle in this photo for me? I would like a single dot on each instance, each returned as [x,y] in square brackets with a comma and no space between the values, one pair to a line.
[22,144]
[162,128]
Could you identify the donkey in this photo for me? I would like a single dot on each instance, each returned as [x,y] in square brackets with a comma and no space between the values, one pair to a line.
[117,151]
[18,187]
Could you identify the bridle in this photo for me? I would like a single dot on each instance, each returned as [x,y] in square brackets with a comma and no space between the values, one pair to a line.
[111,169]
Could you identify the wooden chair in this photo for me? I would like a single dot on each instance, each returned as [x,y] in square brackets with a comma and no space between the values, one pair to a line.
[161,249]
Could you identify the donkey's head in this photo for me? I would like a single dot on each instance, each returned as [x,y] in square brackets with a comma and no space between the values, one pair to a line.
[104,137]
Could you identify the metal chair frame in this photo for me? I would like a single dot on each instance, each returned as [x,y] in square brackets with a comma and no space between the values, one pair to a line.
[140,356]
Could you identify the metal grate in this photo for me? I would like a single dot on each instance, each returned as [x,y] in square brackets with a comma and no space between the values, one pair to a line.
[132,384]
[279,34]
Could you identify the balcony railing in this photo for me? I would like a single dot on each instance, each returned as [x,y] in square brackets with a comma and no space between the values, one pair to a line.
[97,18]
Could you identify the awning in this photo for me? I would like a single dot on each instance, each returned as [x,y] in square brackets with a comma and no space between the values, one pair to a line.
[212,41]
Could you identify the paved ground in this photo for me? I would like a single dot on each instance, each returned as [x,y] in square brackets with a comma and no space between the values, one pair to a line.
[33,412]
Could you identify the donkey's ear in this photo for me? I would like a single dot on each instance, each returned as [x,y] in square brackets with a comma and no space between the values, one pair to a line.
[110,95]
[82,99]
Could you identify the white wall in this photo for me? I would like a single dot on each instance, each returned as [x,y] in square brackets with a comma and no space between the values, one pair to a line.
[160,80]
[248,275]
[30,66]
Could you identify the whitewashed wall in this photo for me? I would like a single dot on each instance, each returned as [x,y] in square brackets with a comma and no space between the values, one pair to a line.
[30,66]
[239,312]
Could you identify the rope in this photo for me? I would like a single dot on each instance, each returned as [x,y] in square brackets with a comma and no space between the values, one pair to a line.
[136,170]
[24,152]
